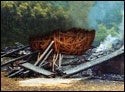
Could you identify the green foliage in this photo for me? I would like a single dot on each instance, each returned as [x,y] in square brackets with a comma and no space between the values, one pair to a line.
[103,32]
[20,19]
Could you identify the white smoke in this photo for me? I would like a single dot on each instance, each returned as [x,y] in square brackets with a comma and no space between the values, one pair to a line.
[107,44]
[121,28]
[103,12]
[109,41]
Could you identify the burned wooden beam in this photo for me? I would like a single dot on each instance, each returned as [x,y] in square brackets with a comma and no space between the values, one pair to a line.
[43,54]
[36,69]
[15,73]
[60,60]
[45,57]
[21,57]
[13,51]
[20,70]
[91,63]
[55,57]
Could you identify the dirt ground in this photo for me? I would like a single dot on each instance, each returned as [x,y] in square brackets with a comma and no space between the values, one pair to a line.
[12,84]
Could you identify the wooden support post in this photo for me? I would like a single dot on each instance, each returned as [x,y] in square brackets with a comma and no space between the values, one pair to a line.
[55,57]
[38,56]
[41,57]
[45,57]
[53,62]
[60,60]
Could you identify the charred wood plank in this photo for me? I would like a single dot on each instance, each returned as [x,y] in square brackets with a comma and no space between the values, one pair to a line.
[43,54]
[60,60]
[21,57]
[41,62]
[13,51]
[15,73]
[36,69]
[91,63]
[46,57]
[20,70]
[55,57]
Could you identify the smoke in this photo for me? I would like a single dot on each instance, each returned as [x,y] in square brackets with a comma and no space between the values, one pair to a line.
[84,13]
[105,12]
[88,14]
[107,44]
[74,9]
[78,11]
[111,42]
[121,28]
[108,13]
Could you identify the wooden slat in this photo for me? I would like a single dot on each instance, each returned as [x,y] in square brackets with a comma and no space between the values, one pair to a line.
[45,57]
[14,60]
[89,64]
[43,54]
[15,73]
[36,69]
[13,51]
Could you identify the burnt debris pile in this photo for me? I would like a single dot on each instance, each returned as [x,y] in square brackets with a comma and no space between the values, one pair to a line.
[61,55]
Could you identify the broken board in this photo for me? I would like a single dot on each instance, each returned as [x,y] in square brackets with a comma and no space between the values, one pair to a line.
[91,63]
[36,69]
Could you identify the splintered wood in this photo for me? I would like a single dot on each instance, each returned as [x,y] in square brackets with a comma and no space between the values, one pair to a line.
[74,41]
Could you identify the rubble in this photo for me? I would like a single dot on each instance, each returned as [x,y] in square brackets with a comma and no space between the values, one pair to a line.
[112,77]
[43,64]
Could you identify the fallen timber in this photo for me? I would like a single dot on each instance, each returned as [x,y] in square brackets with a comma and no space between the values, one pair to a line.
[45,58]
[54,50]
[21,57]
[66,73]
[14,74]
[35,67]
[20,70]
[91,63]
[42,61]
[13,51]
[47,49]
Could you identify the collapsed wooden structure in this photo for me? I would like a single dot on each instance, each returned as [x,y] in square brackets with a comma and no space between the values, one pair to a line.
[38,66]
[51,56]
[91,63]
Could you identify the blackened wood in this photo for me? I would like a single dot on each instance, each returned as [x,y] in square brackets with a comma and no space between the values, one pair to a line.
[46,57]
[60,60]
[13,51]
[15,73]
[43,54]
[21,57]
[20,70]
[36,69]
[91,63]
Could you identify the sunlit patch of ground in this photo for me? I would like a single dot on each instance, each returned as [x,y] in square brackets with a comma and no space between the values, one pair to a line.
[13,84]
[47,81]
